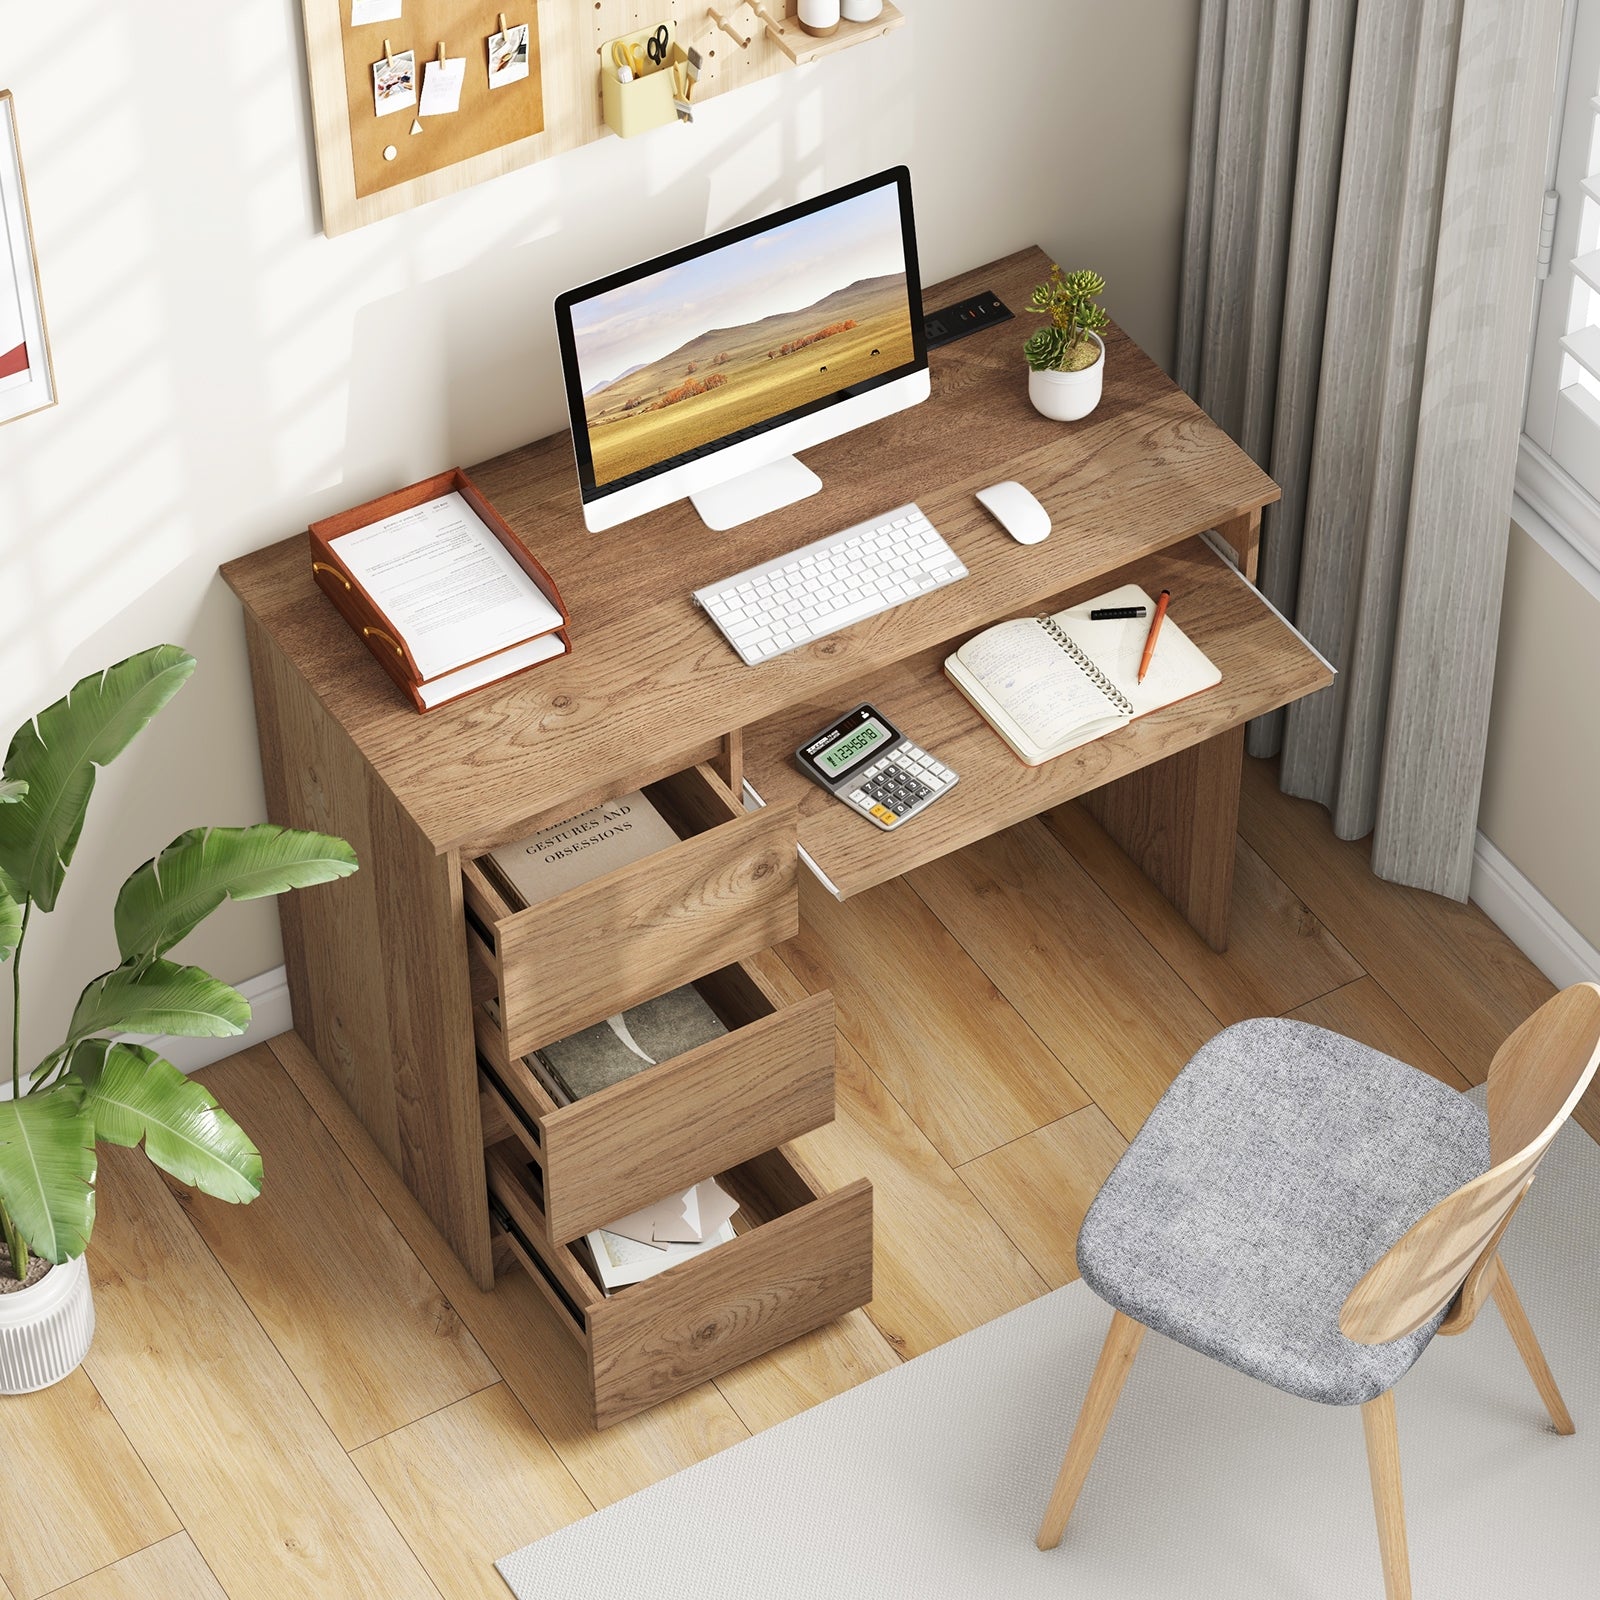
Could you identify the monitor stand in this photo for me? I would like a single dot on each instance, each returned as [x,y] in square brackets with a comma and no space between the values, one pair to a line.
[753,494]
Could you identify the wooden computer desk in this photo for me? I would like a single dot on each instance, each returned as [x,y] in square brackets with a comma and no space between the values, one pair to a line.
[419,990]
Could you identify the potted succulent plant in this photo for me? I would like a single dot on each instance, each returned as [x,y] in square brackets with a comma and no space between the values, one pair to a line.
[1067,359]
[95,1085]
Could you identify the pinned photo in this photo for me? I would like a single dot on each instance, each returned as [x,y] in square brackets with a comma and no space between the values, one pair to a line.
[394,82]
[508,56]
[364,11]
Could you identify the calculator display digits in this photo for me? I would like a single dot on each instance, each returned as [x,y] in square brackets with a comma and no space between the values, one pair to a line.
[864,761]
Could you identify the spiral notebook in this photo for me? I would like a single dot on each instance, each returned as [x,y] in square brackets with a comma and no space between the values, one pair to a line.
[1050,684]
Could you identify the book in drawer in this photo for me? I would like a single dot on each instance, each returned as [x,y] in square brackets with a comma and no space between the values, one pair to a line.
[769,1079]
[802,1258]
[726,890]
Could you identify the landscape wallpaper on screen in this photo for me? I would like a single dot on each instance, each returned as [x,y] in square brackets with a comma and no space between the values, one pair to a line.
[700,351]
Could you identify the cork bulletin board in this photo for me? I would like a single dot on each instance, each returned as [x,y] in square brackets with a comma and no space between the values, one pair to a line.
[486,119]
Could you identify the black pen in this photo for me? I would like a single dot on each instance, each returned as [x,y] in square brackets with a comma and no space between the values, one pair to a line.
[1117,613]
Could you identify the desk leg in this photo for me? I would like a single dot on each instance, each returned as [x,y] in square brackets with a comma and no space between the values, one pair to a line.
[1177,819]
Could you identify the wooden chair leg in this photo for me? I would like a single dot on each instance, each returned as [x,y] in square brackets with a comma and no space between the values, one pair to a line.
[1522,1336]
[1383,1462]
[1110,1372]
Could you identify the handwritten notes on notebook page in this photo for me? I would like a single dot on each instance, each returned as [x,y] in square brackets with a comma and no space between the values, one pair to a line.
[447,583]
[1024,671]
[1049,684]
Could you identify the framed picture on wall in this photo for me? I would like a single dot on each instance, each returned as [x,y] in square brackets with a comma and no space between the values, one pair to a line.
[27,381]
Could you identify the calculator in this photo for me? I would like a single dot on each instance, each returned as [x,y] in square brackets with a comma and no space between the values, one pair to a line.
[866,762]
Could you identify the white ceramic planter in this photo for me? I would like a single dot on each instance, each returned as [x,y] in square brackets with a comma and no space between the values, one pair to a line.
[1066,396]
[861,10]
[45,1331]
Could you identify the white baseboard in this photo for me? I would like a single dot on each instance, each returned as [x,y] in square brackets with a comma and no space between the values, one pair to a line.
[1529,921]
[268,995]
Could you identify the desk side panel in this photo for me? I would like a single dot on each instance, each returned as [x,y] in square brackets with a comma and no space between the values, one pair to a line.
[1177,818]
[377,962]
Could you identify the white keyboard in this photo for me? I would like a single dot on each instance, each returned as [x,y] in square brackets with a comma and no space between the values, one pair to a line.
[830,584]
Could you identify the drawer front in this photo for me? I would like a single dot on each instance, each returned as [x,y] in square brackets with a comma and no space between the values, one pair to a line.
[766,1082]
[739,1301]
[718,895]
[672,1125]
[803,1259]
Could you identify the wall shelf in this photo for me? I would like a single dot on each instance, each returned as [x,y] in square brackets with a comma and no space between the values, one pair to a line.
[801,47]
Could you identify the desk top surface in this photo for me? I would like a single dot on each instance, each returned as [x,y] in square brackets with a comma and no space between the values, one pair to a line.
[650,676]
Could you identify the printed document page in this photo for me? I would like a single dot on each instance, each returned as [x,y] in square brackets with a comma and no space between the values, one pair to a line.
[451,588]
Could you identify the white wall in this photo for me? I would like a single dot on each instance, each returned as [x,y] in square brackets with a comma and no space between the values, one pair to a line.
[228,374]
[1542,768]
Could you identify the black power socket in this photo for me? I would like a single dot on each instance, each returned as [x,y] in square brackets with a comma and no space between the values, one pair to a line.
[968,316]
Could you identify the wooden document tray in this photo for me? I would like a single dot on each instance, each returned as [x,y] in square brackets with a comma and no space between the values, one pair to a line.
[362,612]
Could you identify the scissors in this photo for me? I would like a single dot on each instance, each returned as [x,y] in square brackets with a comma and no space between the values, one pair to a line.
[627,55]
[656,45]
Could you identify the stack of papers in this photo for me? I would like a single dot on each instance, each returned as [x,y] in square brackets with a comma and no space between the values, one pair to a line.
[677,1228]
[450,587]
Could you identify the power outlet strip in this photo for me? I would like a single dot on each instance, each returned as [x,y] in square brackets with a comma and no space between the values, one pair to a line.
[969,316]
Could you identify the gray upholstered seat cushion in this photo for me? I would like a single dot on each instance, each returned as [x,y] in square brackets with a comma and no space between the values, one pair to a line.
[1277,1168]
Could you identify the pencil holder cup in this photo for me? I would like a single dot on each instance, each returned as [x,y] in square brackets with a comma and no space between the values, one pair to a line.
[646,101]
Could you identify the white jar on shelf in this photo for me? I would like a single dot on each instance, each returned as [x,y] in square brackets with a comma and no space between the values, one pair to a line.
[861,10]
[819,17]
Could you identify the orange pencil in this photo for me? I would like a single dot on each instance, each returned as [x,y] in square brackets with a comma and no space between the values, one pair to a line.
[1155,628]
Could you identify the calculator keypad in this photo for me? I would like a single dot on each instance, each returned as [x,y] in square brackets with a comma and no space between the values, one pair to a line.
[898,785]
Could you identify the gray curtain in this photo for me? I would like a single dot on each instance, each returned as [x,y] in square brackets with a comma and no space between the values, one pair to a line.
[1358,272]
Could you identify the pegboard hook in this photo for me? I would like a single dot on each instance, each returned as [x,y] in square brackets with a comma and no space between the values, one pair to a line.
[742,40]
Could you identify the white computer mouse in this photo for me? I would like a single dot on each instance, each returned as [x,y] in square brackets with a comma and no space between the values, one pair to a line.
[1016,511]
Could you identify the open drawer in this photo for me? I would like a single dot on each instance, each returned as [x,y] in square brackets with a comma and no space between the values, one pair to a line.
[801,1258]
[725,891]
[769,1079]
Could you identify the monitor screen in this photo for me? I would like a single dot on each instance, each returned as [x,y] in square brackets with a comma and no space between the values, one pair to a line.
[742,332]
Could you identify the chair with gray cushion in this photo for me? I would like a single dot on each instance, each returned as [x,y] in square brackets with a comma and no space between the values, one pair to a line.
[1312,1212]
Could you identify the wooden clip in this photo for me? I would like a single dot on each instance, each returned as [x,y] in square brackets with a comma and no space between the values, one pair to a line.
[388,54]
[441,52]
[503,28]
[742,40]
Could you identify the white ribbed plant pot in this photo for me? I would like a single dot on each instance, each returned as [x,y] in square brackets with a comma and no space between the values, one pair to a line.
[45,1331]
[1066,396]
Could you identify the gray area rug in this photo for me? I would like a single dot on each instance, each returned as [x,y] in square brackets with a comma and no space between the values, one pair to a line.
[930,1480]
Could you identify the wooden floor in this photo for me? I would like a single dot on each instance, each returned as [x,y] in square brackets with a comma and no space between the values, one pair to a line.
[307,1397]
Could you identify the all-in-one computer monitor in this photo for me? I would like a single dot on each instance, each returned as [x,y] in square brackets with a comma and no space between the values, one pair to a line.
[700,373]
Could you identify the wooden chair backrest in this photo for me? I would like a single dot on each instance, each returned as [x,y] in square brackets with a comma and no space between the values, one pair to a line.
[1538,1076]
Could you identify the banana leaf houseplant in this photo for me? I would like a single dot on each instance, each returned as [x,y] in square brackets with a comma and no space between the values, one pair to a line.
[97,1085]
